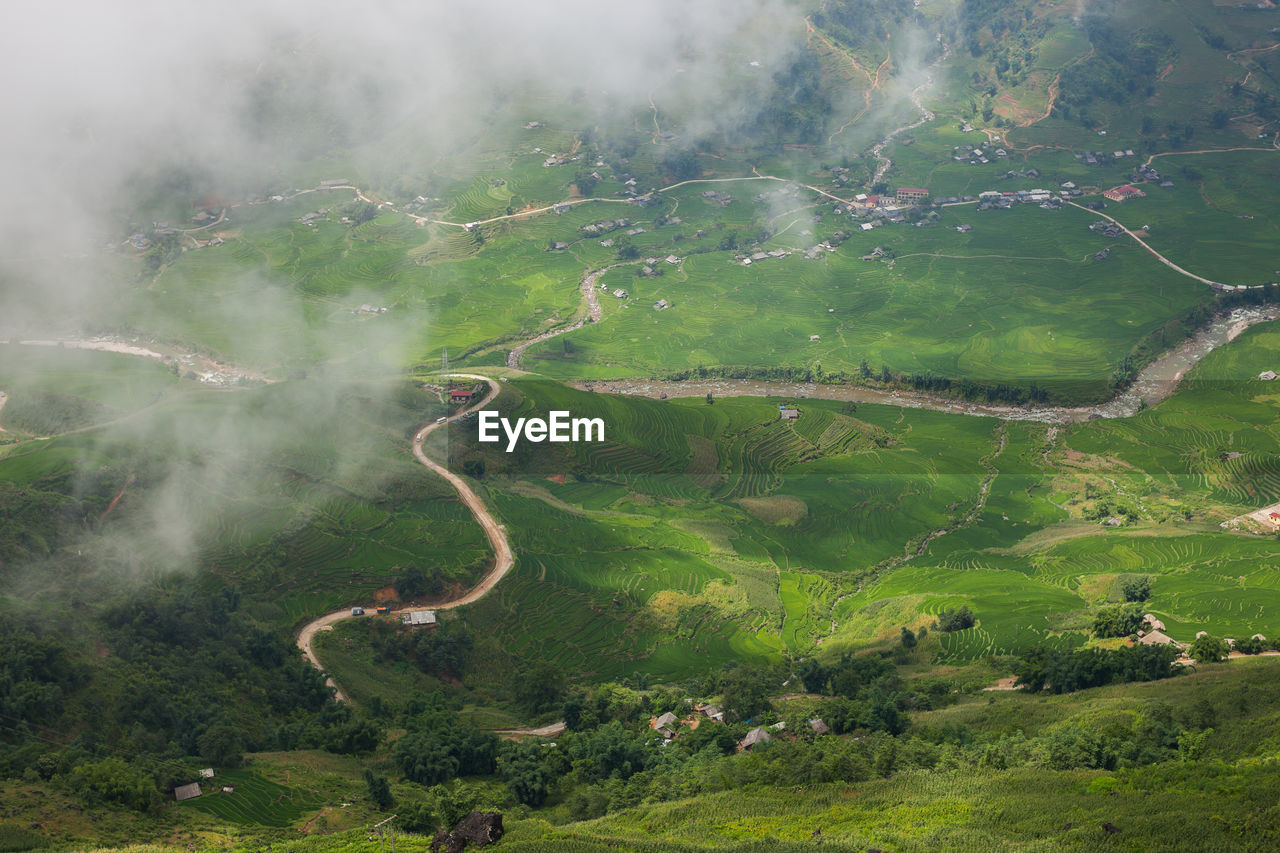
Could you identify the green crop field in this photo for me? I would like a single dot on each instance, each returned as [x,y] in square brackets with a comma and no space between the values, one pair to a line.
[1214,220]
[253,800]
[745,536]
[707,549]
[957,305]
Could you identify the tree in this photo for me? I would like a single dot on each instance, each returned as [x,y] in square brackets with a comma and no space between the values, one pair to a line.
[113,780]
[539,688]
[885,375]
[417,817]
[681,164]
[864,370]
[908,638]
[626,251]
[525,773]
[1119,621]
[746,691]
[1209,649]
[585,182]
[813,675]
[609,751]
[1191,744]
[440,746]
[474,468]
[710,399]
[379,790]
[412,583]
[222,745]
[1135,587]
[886,760]
[956,620]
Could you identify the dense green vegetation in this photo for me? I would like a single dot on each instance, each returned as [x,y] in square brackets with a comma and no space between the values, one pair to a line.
[897,573]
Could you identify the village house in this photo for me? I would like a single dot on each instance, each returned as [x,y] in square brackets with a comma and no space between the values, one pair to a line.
[187,792]
[418,618]
[1157,638]
[462,395]
[788,414]
[911,195]
[1124,192]
[711,712]
[754,737]
[667,725]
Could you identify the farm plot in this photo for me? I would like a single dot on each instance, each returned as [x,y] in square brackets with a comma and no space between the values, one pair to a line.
[254,800]
[956,305]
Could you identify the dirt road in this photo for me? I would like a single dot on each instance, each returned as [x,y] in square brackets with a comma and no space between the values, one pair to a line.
[1143,243]
[503,559]
[543,731]
[591,302]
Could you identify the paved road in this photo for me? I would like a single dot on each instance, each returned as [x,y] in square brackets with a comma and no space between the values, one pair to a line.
[503,560]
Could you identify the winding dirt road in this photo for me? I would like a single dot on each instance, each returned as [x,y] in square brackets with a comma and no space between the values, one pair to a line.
[503,559]
[591,300]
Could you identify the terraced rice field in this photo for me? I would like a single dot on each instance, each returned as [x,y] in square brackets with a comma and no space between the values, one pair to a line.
[957,305]
[254,801]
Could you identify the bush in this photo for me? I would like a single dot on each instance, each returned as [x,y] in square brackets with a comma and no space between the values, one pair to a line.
[112,780]
[1136,587]
[222,745]
[379,790]
[1119,621]
[1208,649]
[956,620]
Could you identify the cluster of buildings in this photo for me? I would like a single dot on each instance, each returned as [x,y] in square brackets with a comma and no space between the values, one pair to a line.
[757,257]
[1152,633]
[1097,158]
[314,216]
[997,200]
[192,790]
[976,156]
[670,726]
[604,226]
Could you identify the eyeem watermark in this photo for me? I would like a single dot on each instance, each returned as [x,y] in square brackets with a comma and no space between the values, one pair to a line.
[559,428]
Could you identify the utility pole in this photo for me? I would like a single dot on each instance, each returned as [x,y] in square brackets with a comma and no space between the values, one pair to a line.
[448,389]
[385,826]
